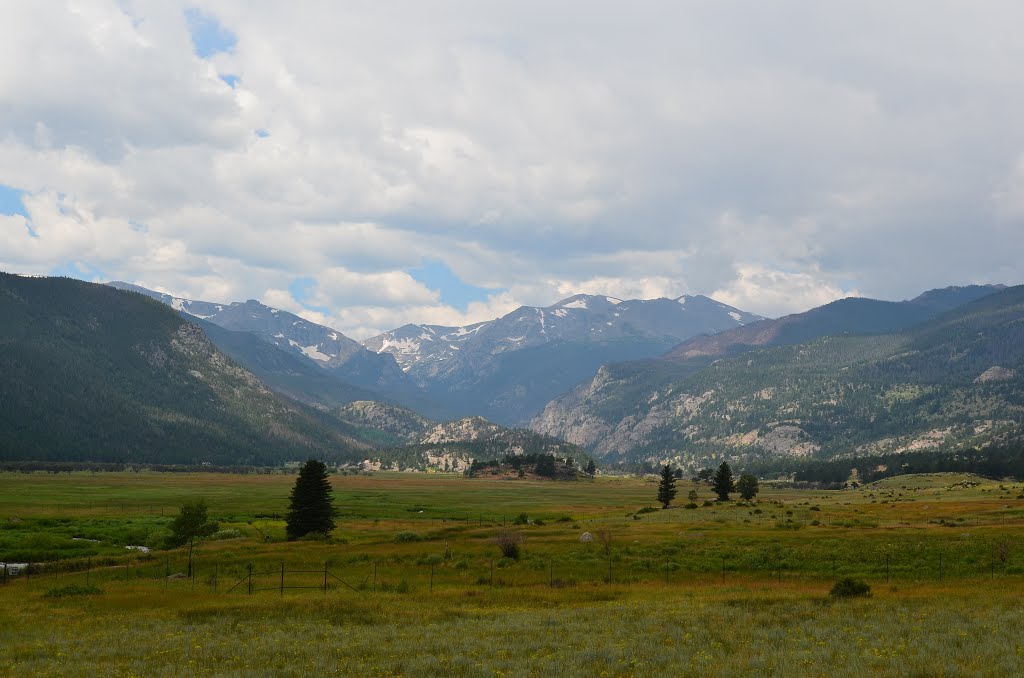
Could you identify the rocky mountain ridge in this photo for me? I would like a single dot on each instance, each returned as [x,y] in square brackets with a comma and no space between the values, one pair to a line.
[948,381]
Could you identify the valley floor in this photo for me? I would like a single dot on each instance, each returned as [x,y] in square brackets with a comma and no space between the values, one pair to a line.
[416,585]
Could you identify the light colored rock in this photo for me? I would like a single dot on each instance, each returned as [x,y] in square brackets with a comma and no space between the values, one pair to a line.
[996,373]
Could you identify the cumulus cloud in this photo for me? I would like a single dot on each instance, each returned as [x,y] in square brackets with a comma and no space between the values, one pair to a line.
[774,156]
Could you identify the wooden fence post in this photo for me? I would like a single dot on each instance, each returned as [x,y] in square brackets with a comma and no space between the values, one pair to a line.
[250,579]
[282,578]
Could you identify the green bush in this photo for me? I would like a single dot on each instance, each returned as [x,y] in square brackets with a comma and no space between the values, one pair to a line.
[848,587]
[521,519]
[648,509]
[406,537]
[73,590]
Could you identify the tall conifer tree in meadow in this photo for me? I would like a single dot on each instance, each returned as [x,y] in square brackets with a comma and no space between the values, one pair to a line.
[667,487]
[311,507]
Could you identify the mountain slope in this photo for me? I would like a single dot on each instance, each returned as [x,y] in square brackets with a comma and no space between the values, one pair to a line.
[951,381]
[322,346]
[94,373]
[453,446]
[507,369]
[845,316]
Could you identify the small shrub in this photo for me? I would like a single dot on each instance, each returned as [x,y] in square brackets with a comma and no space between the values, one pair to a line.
[73,590]
[691,505]
[521,519]
[407,537]
[648,509]
[508,542]
[538,522]
[564,519]
[229,533]
[848,587]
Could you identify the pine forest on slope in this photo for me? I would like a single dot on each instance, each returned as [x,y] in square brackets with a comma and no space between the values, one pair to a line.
[946,383]
[94,373]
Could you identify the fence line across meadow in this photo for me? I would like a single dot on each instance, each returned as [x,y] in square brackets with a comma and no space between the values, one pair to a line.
[362,575]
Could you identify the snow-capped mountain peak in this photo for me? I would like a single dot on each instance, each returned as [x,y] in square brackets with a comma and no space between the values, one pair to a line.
[426,351]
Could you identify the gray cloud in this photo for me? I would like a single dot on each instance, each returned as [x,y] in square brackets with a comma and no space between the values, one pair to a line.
[778,155]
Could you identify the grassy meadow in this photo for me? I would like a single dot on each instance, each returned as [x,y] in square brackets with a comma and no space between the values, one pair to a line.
[415,584]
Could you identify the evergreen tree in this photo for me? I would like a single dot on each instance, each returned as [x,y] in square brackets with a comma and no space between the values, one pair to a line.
[747,486]
[311,507]
[545,465]
[723,483]
[190,524]
[667,487]
[591,468]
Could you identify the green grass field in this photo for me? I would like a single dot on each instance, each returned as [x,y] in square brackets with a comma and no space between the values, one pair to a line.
[417,586]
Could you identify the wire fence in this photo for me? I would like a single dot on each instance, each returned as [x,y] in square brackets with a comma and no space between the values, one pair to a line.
[360,574]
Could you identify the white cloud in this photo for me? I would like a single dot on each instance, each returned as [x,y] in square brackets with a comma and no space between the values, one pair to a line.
[776,156]
[775,293]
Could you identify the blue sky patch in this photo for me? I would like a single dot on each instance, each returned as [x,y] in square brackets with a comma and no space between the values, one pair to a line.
[231,80]
[10,201]
[262,133]
[79,271]
[209,37]
[301,289]
[454,292]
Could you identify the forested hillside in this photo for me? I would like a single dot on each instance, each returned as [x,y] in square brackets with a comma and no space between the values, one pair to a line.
[95,373]
[952,382]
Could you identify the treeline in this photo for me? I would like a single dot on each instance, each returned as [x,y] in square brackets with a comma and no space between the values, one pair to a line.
[542,464]
[99,467]
[1005,461]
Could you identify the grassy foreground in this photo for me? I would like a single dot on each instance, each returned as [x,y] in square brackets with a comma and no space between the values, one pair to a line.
[739,629]
[417,587]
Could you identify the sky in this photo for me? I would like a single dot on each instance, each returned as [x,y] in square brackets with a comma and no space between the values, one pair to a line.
[370,164]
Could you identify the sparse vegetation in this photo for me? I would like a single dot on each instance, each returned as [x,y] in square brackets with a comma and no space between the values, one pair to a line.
[447,596]
[848,587]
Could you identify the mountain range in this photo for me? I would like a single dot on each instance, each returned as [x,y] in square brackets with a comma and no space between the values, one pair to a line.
[505,369]
[105,373]
[94,373]
[943,371]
